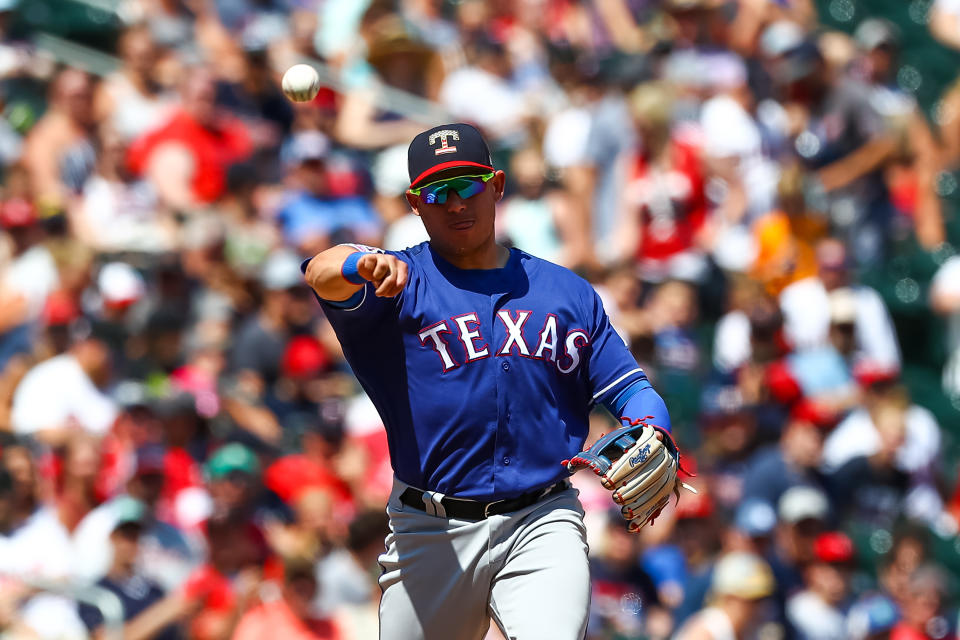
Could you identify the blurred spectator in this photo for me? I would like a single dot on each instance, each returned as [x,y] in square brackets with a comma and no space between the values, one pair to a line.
[30,274]
[186,158]
[79,403]
[910,550]
[793,461]
[313,215]
[911,175]
[119,288]
[802,515]
[893,441]
[129,100]
[624,600]
[346,576]
[18,460]
[535,218]
[116,212]
[260,341]
[785,237]
[288,614]
[226,586]
[384,54]
[729,433]
[663,208]
[806,311]
[684,579]
[589,143]
[945,300]
[872,618]
[672,309]
[817,383]
[64,129]
[255,97]
[819,611]
[740,581]
[233,473]
[146,611]
[848,157]
[165,555]
[753,525]
[945,22]
[481,91]
[303,388]
[250,236]
[743,179]
[924,617]
[751,318]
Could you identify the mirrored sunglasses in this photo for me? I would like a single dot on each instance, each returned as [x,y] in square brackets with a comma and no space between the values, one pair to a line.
[465,186]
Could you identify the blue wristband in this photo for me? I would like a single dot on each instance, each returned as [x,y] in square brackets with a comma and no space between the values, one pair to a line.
[349,268]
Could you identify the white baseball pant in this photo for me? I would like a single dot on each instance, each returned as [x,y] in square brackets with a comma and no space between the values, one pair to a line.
[445,579]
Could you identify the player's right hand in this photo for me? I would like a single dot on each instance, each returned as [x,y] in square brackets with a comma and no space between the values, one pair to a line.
[388,273]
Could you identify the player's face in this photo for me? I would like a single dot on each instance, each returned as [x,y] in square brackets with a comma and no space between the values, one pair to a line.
[463,223]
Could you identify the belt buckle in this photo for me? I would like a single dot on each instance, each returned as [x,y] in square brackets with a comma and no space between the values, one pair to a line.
[486,508]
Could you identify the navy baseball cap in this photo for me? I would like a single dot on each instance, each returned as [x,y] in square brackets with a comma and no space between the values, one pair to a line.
[447,146]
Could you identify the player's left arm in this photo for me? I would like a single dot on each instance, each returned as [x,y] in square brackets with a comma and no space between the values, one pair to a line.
[617,381]
[639,461]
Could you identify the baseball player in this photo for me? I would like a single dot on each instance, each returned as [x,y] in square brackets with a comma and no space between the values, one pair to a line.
[484,364]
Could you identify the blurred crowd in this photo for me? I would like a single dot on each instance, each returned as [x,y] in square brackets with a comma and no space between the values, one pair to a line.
[180,434]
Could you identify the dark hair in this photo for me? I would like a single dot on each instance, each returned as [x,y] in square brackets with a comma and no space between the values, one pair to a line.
[298,569]
[367,528]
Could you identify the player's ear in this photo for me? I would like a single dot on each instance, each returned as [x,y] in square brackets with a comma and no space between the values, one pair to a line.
[413,201]
[499,181]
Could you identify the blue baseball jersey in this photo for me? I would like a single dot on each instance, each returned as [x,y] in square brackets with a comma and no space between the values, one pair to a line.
[484,379]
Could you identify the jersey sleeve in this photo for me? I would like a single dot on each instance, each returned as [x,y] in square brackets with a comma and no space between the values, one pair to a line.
[611,367]
[364,305]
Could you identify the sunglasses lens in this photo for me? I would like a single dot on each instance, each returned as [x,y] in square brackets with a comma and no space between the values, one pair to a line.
[472,187]
[436,194]
[466,187]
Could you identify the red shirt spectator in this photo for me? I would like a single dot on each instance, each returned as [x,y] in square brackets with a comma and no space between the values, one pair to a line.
[212,140]
[670,199]
[290,615]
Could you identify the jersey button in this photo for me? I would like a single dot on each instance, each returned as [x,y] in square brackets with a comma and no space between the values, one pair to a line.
[506,461]
[506,366]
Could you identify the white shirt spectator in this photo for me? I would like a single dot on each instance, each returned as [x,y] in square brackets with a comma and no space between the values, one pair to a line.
[946,284]
[57,391]
[814,618]
[566,138]
[33,274]
[134,113]
[474,95]
[405,232]
[37,549]
[42,549]
[806,321]
[857,436]
[729,131]
[948,6]
[121,217]
[731,342]
[166,564]
[342,582]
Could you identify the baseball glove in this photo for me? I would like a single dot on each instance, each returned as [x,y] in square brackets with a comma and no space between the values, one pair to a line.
[638,463]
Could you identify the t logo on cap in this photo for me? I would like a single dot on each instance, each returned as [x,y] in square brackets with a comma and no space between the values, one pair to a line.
[443,135]
[471,151]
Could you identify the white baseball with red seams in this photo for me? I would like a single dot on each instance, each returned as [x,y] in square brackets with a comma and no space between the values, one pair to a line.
[301,83]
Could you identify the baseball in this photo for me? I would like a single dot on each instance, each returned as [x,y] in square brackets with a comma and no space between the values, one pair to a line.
[301,83]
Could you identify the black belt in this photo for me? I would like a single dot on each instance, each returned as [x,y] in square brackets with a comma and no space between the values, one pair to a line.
[462,509]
